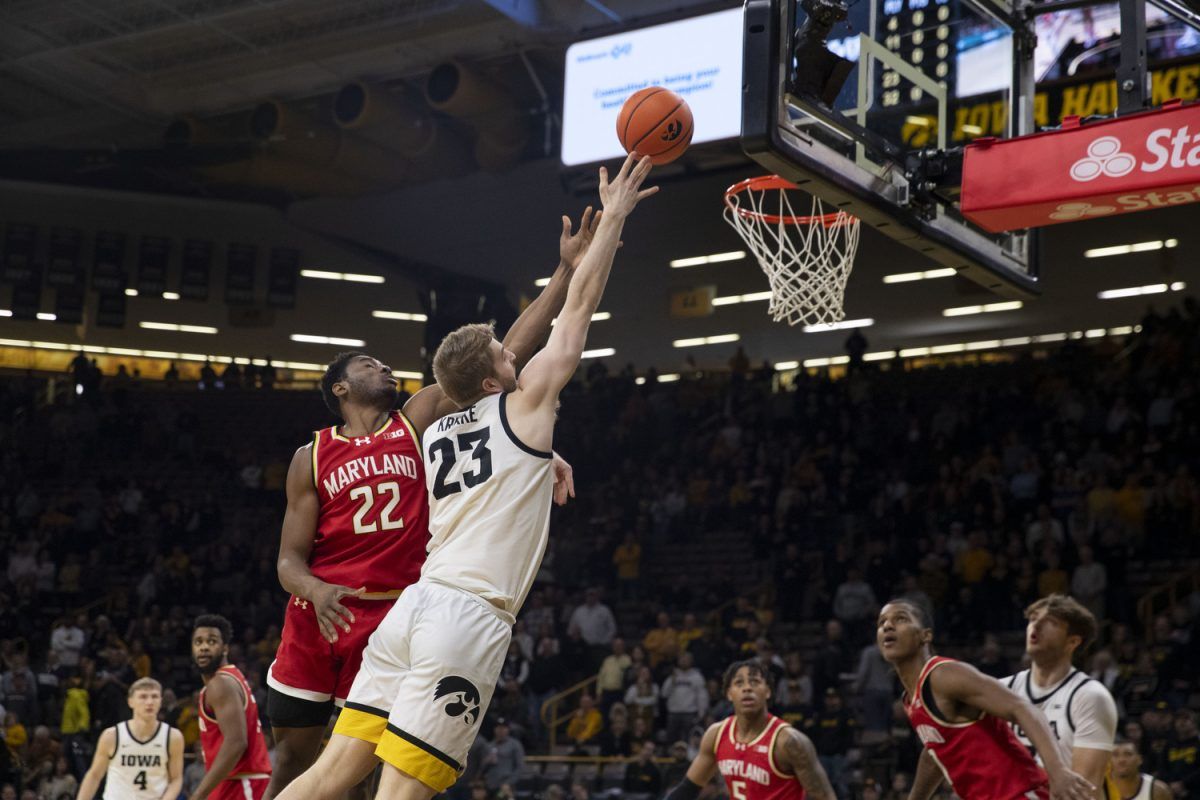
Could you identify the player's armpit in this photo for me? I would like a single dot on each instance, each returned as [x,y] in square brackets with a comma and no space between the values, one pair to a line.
[800,758]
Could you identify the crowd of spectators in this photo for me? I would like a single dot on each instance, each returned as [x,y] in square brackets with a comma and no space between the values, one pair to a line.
[973,488]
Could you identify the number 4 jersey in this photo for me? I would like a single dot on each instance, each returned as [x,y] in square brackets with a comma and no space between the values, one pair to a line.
[374,518]
[489,504]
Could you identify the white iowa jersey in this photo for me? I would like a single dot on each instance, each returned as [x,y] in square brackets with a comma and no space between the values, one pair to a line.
[1081,712]
[489,504]
[138,769]
[1145,788]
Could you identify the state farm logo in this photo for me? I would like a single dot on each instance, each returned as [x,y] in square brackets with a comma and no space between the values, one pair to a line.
[1164,148]
[1069,211]
[1104,158]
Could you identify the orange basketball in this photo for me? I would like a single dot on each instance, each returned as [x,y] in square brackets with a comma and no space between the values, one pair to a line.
[655,122]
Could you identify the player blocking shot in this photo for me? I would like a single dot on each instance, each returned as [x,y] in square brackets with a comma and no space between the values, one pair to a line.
[140,758]
[356,526]
[961,717]
[760,756]
[1081,712]
[430,669]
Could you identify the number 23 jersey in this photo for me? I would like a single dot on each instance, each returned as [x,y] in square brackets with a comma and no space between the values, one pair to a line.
[489,504]
[374,519]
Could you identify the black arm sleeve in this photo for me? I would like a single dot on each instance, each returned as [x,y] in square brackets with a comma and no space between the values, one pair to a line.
[686,790]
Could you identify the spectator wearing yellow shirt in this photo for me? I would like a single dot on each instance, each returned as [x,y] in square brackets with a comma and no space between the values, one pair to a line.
[628,560]
[610,681]
[586,723]
[139,659]
[976,561]
[15,735]
[662,642]
[1053,579]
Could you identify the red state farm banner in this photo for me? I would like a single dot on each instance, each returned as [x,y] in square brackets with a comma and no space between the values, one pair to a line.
[1116,166]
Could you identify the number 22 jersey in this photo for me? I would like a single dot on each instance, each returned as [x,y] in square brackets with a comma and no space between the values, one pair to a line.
[489,504]
[374,518]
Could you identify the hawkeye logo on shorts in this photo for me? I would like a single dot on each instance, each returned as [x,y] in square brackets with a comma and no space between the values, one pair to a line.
[464,698]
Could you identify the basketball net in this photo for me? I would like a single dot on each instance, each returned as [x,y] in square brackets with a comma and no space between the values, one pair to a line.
[807,258]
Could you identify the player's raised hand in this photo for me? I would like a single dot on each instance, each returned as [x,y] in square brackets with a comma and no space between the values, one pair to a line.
[564,480]
[623,193]
[331,614]
[573,246]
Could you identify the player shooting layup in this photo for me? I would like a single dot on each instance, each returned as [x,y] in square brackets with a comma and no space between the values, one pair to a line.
[429,670]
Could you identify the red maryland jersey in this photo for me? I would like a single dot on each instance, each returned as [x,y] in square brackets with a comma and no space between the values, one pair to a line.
[749,767]
[374,520]
[982,760]
[254,761]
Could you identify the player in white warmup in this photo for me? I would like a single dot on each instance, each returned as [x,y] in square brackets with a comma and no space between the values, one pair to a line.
[1080,710]
[1129,780]
[429,670]
[138,759]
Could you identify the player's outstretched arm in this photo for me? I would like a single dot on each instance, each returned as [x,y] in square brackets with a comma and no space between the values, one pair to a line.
[927,779]
[174,765]
[532,327]
[295,544]
[794,752]
[701,770]
[549,370]
[106,748]
[965,684]
[225,697]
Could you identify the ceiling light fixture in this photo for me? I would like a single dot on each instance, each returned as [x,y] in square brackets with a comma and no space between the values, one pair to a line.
[987,308]
[401,315]
[170,295]
[732,299]
[171,326]
[696,342]
[715,258]
[353,277]
[312,339]
[1126,249]
[822,327]
[925,275]
[1136,291]
[602,352]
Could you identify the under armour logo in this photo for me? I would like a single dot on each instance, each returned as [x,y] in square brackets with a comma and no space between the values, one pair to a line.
[302,603]
[464,698]
[361,440]
[1104,158]
[1069,211]
[674,128]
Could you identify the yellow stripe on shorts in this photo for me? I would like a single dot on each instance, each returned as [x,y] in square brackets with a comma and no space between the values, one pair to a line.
[361,722]
[422,761]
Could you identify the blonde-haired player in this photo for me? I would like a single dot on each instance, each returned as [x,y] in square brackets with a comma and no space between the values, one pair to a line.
[430,669]
[138,759]
[1080,710]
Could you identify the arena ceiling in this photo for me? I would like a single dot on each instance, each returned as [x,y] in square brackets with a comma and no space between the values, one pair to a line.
[91,75]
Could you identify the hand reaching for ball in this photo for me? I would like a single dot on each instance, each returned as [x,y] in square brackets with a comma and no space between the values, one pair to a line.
[621,195]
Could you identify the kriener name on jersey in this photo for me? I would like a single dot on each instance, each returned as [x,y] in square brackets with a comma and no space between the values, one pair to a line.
[736,768]
[368,466]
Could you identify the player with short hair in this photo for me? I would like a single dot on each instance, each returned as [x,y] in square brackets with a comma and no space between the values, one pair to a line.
[431,667]
[760,756]
[356,524]
[960,716]
[1081,712]
[1127,778]
[140,758]
[235,752]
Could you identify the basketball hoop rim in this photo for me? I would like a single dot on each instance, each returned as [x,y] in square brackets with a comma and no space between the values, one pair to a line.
[765,183]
